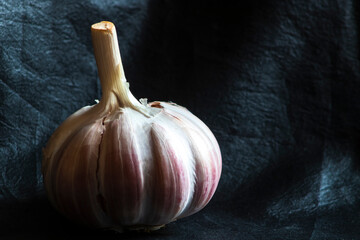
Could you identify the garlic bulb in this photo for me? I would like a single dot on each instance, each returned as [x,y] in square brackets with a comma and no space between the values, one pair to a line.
[125,164]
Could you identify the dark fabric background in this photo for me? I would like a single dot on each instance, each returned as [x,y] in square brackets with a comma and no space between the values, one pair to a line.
[277,82]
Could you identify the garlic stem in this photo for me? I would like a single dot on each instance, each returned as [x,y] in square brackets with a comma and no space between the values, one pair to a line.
[115,90]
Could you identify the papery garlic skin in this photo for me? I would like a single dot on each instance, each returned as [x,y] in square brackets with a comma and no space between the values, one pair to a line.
[127,169]
[122,163]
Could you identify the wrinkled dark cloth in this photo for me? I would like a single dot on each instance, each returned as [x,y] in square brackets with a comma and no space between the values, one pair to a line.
[276,81]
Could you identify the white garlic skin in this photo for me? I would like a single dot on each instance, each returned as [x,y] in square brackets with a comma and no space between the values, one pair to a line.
[121,168]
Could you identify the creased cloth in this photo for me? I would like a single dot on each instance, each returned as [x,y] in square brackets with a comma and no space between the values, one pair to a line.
[276,81]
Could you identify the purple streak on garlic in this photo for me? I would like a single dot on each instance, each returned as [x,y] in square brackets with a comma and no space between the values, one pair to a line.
[121,163]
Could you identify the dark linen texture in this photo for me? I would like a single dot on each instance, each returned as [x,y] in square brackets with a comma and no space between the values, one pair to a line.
[276,81]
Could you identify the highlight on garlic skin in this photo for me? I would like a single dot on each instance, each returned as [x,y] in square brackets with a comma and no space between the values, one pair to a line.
[122,163]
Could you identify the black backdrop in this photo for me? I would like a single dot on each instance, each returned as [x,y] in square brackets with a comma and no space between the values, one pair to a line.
[276,81]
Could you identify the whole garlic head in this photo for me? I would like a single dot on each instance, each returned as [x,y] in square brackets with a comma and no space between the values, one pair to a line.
[125,164]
